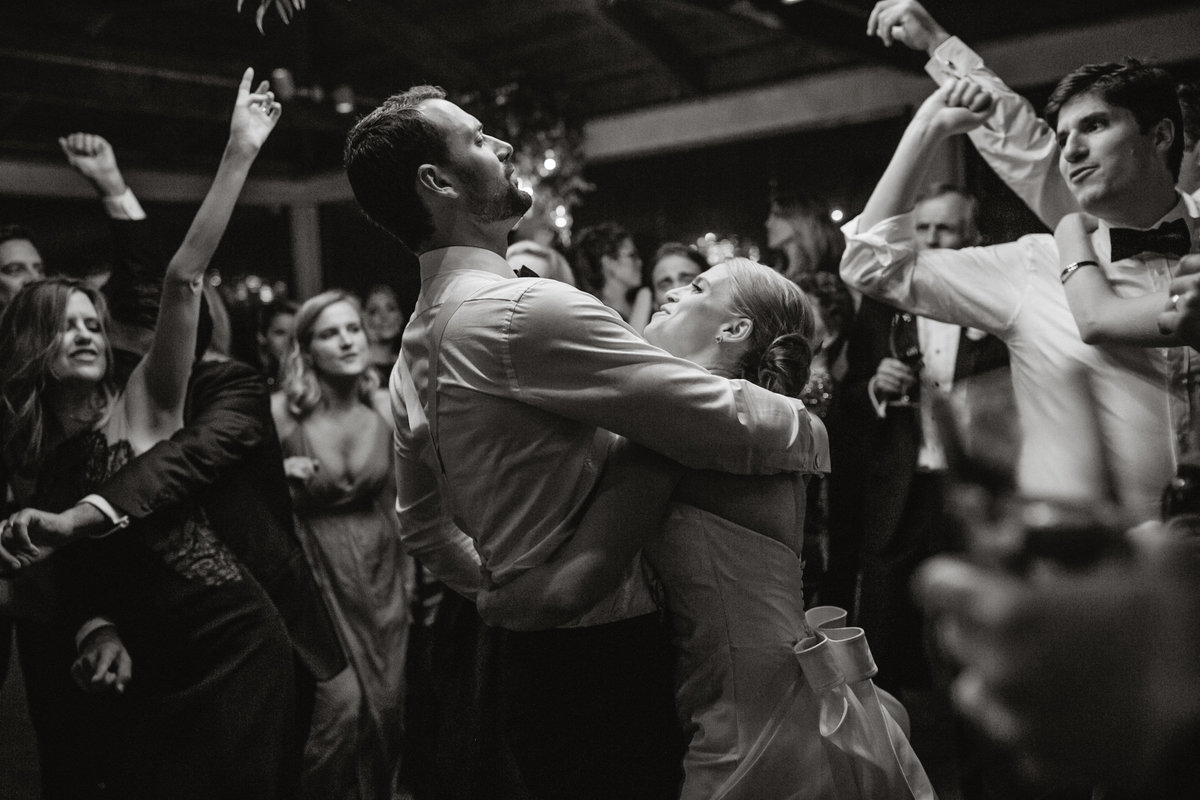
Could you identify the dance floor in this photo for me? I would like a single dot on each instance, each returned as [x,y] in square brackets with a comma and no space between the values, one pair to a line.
[18,754]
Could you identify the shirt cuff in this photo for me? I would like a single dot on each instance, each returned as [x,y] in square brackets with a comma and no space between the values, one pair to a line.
[88,628]
[123,206]
[887,232]
[118,521]
[952,59]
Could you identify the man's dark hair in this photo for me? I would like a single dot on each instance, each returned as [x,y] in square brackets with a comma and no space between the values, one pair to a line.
[383,151]
[591,244]
[1147,92]
[1189,106]
[10,232]
[679,249]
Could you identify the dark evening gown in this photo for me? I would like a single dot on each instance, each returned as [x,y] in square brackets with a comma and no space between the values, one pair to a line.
[210,704]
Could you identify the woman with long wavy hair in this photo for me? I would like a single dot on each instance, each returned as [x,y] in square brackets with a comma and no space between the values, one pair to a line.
[207,709]
[335,427]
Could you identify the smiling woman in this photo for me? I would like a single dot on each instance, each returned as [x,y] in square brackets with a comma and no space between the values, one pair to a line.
[190,644]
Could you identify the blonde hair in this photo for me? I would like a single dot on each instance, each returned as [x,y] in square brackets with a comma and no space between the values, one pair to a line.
[300,384]
[779,351]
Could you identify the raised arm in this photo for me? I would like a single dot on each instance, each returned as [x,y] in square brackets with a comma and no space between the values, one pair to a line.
[981,287]
[139,263]
[906,22]
[1101,315]
[570,355]
[1015,142]
[956,107]
[157,387]
[92,157]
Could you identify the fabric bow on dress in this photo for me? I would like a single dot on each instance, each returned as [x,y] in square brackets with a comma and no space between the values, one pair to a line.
[864,729]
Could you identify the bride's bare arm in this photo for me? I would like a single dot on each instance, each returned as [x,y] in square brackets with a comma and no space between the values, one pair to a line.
[630,505]
[1100,314]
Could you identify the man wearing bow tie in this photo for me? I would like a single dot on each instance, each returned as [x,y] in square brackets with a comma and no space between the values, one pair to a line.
[1118,134]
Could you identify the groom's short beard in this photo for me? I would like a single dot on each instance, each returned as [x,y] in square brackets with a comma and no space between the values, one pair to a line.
[503,202]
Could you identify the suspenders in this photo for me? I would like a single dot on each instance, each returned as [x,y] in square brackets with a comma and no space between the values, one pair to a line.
[436,331]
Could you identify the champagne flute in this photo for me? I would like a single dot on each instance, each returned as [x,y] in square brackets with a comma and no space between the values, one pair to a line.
[905,347]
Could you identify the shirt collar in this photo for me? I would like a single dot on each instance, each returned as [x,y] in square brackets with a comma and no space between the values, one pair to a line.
[459,257]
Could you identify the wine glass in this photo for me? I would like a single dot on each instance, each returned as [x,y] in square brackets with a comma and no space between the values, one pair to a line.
[905,346]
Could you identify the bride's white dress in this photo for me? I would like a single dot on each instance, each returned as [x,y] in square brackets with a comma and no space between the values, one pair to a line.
[737,613]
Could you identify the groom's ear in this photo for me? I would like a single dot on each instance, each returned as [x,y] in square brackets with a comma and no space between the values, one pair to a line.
[434,179]
[737,330]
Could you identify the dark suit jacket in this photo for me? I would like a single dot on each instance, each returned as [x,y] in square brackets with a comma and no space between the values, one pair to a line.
[228,456]
[876,459]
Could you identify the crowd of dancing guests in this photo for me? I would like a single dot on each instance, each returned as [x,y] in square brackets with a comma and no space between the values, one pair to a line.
[553,531]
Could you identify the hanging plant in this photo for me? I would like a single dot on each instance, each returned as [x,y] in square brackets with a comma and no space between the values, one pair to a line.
[285,8]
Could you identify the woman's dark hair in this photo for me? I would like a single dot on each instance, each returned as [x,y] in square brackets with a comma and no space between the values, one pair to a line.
[590,245]
[779,352]
[29,340]
[11,232]
[1189,107]
[267,313]
[385,288]
[821,250]
[1149,93]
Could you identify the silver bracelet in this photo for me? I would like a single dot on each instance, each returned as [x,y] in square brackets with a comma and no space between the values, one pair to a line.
[1070,269]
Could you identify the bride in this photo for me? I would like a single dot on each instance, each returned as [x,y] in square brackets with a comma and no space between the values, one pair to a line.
[727,554]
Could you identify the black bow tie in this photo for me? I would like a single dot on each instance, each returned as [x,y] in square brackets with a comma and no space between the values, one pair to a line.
[1170,238]
[525,272]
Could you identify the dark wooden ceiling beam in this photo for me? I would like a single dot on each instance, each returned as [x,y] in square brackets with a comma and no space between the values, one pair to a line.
[841,23]
[147,98]
[635,20]
[382,25]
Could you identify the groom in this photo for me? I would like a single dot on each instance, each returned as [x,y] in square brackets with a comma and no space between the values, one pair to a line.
[504,396]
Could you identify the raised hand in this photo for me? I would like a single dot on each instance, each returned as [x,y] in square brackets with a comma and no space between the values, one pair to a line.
[958,106]
[254,115]
[906,22]
[92,156]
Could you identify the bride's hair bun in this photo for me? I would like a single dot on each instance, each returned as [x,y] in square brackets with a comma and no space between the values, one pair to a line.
[779,349]
[784,364]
